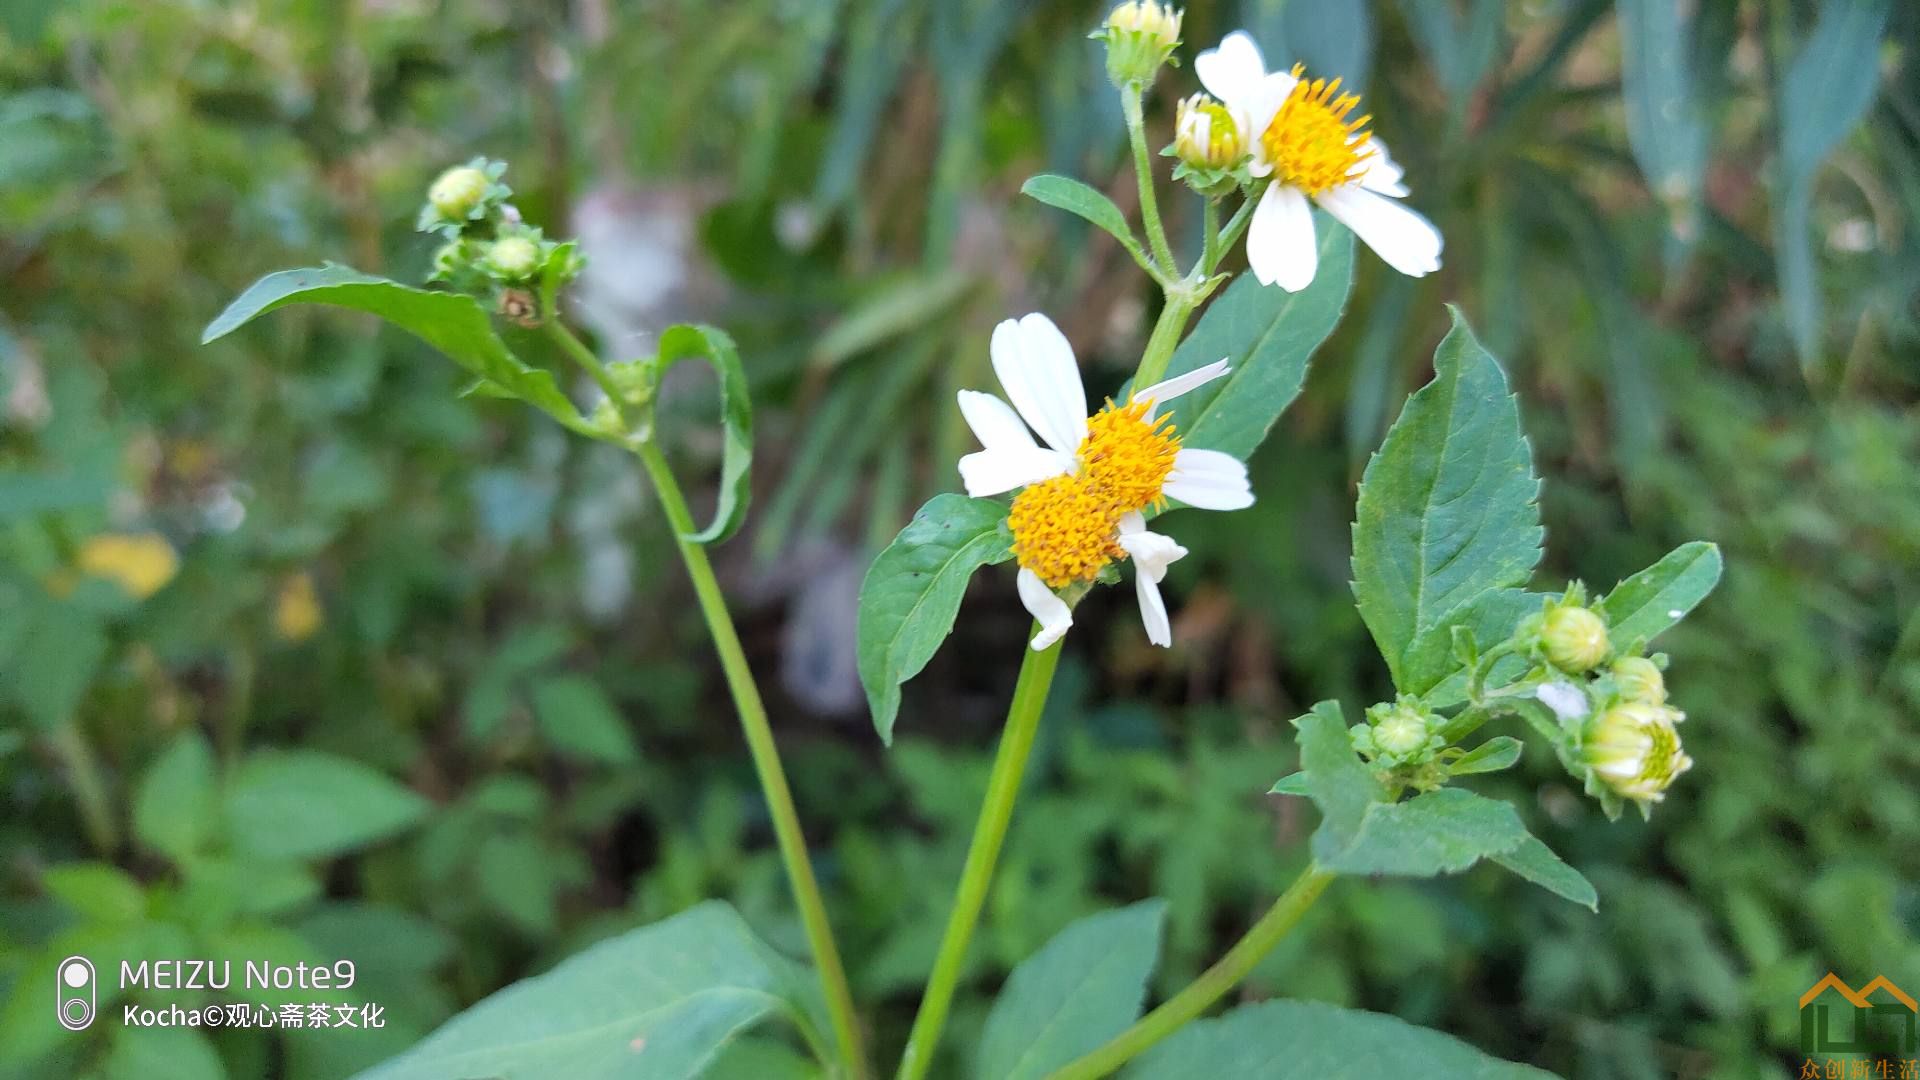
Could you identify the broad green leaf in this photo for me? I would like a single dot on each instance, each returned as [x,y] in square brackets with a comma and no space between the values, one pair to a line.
[1308,1039]
[1497,753]
[1268,334]
[659,1001]
[456,325]
[176,808]
[1446,513]
[1646,604]
[1666,126]
[579,721]
[304,804]
[1825,93]
[62,647]
[1066,193]
[101,892]
[1340,783]
[686,342]
[1440,832]
[913,590]
[1537,863]
[1081,989]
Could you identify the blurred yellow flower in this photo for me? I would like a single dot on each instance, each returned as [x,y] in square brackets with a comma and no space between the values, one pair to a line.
[140,563]
[296,613]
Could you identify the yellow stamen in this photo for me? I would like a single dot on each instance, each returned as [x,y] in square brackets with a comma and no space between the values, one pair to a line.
[1312,144]
[1066,529]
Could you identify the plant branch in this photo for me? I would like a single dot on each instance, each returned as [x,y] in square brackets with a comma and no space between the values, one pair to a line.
[1212,985]
[1003,786]
[1143,173]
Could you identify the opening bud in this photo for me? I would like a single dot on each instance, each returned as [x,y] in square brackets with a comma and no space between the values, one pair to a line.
[1206,136]
[1634,749]
[1638,679]
[1141,36]
[459,191]
[1573,638]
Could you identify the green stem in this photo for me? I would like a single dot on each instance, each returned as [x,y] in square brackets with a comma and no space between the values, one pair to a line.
[1212,985]
[1166,335]
[1143,173]
[1003,786]
[1237,224]
[766,760]
[69,745]
[1210,228]
[584,356]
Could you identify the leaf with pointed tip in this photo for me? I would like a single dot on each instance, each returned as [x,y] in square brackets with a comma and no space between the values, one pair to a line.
[1082,201]
[1648,603]
[1308,1039]
[1446,514]
[1537,863]
[1497,753]
[695,342]
[1339,783]
[456,325]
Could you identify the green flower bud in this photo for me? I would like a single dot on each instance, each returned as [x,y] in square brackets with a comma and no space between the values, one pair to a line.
[1205,135]
[1141,36]
[513,258]
[1573,638]
[1634,749]
[1639,679]
[1399,734]
[459,192]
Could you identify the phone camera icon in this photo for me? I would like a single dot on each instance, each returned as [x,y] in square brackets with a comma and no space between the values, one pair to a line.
[74,993]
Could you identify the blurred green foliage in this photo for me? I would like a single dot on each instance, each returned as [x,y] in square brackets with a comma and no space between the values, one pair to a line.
[425,692]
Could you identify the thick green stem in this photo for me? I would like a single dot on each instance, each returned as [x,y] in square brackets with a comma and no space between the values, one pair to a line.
[1210,228]
[1166,335]
[766,760]
[1211,986]
[1003,786]
[1143,172]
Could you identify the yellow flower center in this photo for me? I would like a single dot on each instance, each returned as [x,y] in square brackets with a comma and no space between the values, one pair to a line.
[1067,528]
[1312,144]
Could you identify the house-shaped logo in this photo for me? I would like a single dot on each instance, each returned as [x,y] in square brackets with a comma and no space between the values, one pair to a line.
[1894,1018]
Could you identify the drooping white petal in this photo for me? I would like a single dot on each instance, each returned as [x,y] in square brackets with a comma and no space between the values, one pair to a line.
[1382,173]
[1280,247]
[1231,72]
[1153,610]
[1036,367]
[1152,553]
[1408,242]
[1567,701]
[1051,612]
[990,472]
[1167,389]
[1209,480]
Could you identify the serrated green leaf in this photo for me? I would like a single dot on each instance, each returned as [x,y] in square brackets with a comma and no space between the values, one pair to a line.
[1309,1039]
[1446,513]
[1497,753]
[1440,832]
[1268,334]
[1648,603]
[1537,863]
[456,325]
[912,593]
[1066,193]
[1081,989]
[176,808]
[304,804]
[578,720]
[690,342]
[658,1001]
[1339,783]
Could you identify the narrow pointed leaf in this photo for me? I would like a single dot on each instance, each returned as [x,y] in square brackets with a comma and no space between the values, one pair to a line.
[1080,200]
[693,342]
[1646,604]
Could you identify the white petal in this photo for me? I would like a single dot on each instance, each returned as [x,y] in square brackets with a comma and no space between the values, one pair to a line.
[990,472]
[1036,367]
[1567,701]
[1231,72]
[1382,173]
[1258,111]
[1408,242]
[1280,246]
[1151,552]
[994,422]
[1167,389]
[1209,480]
[1153,610]
[1049,610]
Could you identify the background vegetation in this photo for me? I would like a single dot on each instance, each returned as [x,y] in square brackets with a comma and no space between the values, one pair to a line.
[421,685]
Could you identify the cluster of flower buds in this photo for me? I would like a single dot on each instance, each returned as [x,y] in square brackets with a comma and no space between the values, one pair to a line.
[489,250]
[1398,736]
[1140,36]
[1621,736]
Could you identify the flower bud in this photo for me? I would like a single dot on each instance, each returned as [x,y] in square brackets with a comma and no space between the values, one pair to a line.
[1634,749]
[512,258]
[1573,638]
[459,192]
[1141,36]
[1398,734]
[1206,136]
[1639,679]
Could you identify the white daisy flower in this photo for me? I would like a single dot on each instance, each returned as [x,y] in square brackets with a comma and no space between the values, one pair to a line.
[1083,492]
[1299,134]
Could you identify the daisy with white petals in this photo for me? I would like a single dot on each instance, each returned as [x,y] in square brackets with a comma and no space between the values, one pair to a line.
[1082,493]
[1299,133]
